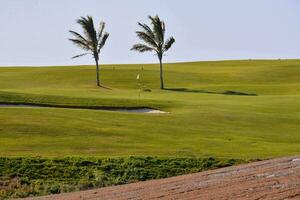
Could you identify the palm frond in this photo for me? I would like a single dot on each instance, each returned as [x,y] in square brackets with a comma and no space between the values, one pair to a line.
[93,41]
[81,44]
[147,30]
[158,27]
[101,30]
[169,43]
[163,30]
[89,29]
[81,38]
[142,48]
[84,54]
[147,39]
[78,36]
[102,41]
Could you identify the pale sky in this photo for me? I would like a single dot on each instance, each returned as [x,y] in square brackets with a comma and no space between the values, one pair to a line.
[35,32]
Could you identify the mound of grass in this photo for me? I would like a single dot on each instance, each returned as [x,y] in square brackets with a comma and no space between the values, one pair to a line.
[22,177]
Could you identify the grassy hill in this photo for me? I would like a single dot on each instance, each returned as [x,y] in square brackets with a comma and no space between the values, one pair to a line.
[210,111]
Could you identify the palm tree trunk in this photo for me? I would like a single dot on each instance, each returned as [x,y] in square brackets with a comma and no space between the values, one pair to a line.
[97,73]
[161,74]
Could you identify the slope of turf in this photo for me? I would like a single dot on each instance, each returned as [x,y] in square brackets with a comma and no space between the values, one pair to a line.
[233,109]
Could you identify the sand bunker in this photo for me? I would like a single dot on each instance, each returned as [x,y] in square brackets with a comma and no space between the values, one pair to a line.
[128,110]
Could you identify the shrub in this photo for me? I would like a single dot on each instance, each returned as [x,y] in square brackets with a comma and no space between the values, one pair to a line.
[39,176]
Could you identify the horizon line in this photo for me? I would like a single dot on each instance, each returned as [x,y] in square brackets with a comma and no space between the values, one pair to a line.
[153,63]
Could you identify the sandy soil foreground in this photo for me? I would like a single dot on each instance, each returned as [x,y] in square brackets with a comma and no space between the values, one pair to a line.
[271,179]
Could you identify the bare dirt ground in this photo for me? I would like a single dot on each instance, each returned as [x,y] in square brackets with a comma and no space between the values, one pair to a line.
[271,179]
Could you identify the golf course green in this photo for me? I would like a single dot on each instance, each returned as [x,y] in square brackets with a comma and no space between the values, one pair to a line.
[227,109]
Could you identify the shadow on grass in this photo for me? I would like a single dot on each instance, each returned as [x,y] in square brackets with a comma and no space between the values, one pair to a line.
[227,92]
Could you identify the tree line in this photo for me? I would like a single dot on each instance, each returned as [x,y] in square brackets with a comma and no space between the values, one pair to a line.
[153,39]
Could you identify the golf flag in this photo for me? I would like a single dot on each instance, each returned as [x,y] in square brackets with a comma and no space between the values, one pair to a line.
[138,77]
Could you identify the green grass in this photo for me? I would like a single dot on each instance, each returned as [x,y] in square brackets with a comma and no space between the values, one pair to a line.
[202,121]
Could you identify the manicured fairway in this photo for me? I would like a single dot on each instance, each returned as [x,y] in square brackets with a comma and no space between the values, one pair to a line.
[203,120]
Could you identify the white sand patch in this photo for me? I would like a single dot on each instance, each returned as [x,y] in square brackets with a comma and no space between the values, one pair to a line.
[143,110]
[128,110]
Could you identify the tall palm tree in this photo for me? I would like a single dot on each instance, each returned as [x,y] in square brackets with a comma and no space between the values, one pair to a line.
[154,41]
[92,41]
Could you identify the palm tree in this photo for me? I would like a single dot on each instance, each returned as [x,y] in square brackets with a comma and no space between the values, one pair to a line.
[92,41]
[154,41]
